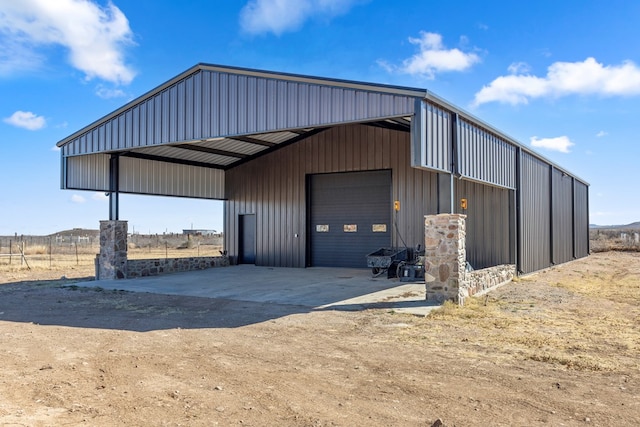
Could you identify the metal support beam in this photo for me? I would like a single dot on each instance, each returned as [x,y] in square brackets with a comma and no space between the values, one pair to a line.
[114,187]
[251,140]
[454,159]
[574,228]
[518,212]
[551,217]
[208,150]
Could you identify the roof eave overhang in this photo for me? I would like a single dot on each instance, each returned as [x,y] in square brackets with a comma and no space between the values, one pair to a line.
[372,87]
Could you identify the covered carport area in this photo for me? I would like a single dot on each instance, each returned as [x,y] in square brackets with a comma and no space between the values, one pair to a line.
[316,288]
[194,135]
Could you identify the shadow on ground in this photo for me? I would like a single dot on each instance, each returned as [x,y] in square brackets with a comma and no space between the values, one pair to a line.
[83,307]
[217,298]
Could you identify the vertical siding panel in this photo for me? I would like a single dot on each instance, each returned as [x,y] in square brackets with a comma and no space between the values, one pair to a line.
[140,125]
[147,134]
[404,175]
[275,191]
[581,219]
[232,103]
[536,214]
[180,110]
[271,105]
[194,128]
[487,223]
[485,157]
[373,134]
[252,105]
[294,197]
[396,188]
[242,105]
[341,149]
[223,101]
[371,154]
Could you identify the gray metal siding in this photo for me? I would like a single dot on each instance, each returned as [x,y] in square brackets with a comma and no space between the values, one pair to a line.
[431,137]
[210,104]
[535,214]
[562,214]
[148,177]
[485,157]
[437,153]
[273,188]
[489,234]
[88,172]
[145,177]
[581,218]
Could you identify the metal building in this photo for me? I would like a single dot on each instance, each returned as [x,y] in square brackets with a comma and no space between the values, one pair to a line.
[310,169]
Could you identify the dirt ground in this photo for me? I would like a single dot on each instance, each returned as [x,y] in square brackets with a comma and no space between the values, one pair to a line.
[561,347]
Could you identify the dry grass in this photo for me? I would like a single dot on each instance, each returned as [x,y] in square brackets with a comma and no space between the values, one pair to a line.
[614,240]
[589,322]
[39,265]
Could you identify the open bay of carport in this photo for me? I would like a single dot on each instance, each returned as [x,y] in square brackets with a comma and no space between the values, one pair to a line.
[316,288]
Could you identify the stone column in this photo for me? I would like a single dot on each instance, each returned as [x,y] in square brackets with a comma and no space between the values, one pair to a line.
[445,256]
[112,259]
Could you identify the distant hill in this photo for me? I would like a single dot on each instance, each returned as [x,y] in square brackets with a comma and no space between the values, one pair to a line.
[77,232]
[632,226]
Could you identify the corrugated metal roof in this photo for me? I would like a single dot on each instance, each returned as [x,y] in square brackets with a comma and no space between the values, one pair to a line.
[219,117]
[242,111]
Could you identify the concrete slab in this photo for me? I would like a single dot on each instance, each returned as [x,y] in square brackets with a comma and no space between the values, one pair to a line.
[316,288]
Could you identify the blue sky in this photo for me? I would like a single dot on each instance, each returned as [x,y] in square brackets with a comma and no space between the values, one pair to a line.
[560,76]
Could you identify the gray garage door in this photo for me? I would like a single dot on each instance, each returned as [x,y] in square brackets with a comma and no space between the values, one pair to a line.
[350,217]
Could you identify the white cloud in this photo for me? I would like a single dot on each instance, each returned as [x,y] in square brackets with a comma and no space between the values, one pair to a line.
[95,36]
[588,77]
[601,134]
[55,148]
[279,16]
[14,56]
[560,143]
[433,58]
[76,198]
[101,197]
[519,68]
[26,120]
[108,93]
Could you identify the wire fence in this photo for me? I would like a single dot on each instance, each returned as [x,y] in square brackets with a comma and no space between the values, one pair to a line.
[51,252]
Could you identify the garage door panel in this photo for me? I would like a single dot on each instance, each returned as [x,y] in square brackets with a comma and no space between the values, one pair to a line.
[350,217]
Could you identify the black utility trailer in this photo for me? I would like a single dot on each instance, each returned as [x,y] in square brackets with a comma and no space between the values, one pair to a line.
[385,259]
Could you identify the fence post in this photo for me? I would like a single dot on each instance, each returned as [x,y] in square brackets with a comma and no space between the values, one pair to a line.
[10,252]
[50,252]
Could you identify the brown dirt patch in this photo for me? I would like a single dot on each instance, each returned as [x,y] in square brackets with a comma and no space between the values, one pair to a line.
[557,348]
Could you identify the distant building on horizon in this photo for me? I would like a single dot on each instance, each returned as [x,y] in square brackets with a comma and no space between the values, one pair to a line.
[200,232]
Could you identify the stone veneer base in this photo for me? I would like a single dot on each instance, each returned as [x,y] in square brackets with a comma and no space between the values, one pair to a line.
[446,259]
[155,267]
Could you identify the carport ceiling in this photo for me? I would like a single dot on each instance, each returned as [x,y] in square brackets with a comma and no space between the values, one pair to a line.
[228,152]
